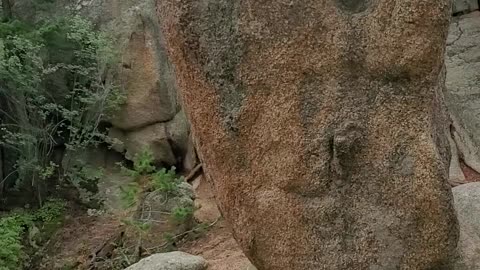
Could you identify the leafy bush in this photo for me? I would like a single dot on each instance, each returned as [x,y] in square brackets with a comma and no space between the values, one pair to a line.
[143,162]
[182,214]
[10,242]
[166,181]
[163,180]
[56,86]
[13,227]
[129,194]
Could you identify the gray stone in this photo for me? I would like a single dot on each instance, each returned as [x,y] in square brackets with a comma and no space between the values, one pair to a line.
[158,205]
[467,205]
[170,261]
[168,141]
[154,138]
[190,159]
[463,90]
[464,5]
[178,130]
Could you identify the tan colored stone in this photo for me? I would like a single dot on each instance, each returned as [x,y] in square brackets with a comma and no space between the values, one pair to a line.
[205,205]
[322,126]
[168,141]
[219,248]
[190,160]
[153,138]
[149,98]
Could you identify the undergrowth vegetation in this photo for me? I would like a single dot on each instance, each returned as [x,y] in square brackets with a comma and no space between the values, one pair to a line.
[171,216]
[56,89]
[24,229]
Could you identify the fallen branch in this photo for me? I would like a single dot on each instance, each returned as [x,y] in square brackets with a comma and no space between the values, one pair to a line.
[194,173]
[181,235]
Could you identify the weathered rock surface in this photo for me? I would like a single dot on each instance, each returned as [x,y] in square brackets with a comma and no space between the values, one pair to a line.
[206,210]
[144,73]
[167,141]
[170,261]
[150,97]
[322,133]
[464,5]
[467,205]
[463,91]
[153,138]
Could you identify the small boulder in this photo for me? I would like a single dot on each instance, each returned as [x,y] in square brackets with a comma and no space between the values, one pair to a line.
[170,261]
[153,137]
[168,141]
[467,205]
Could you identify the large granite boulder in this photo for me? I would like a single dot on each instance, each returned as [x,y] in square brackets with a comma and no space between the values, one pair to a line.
[146,79]
[321,125]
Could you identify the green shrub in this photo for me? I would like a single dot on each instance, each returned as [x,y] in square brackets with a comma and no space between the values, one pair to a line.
[14,226]
[55,84]
[11,243]
[129,194]
[182,214]
[143,162]
[166,181]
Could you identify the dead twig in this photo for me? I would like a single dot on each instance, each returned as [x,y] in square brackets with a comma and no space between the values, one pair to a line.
[194,173]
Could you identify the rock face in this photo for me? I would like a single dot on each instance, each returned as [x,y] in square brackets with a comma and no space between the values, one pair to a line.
[467,205]
[463,91]
[170,261]
[464,6]
[151,97]
[321,127]
[151,116]
[144,72]
[168,141]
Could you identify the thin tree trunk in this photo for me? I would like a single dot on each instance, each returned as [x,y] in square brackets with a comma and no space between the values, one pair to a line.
[2,183]
[7,9]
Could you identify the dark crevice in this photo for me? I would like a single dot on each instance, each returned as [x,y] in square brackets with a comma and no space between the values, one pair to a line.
[457,24]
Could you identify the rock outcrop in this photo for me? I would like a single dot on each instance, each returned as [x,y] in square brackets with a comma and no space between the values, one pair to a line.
[467,205]
[144,73]
[464,6]
[321,125]
[463,95]
[167,141]
[151,116]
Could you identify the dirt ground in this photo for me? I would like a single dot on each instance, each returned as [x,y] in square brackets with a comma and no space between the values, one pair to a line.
[84,239]
[220,250]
